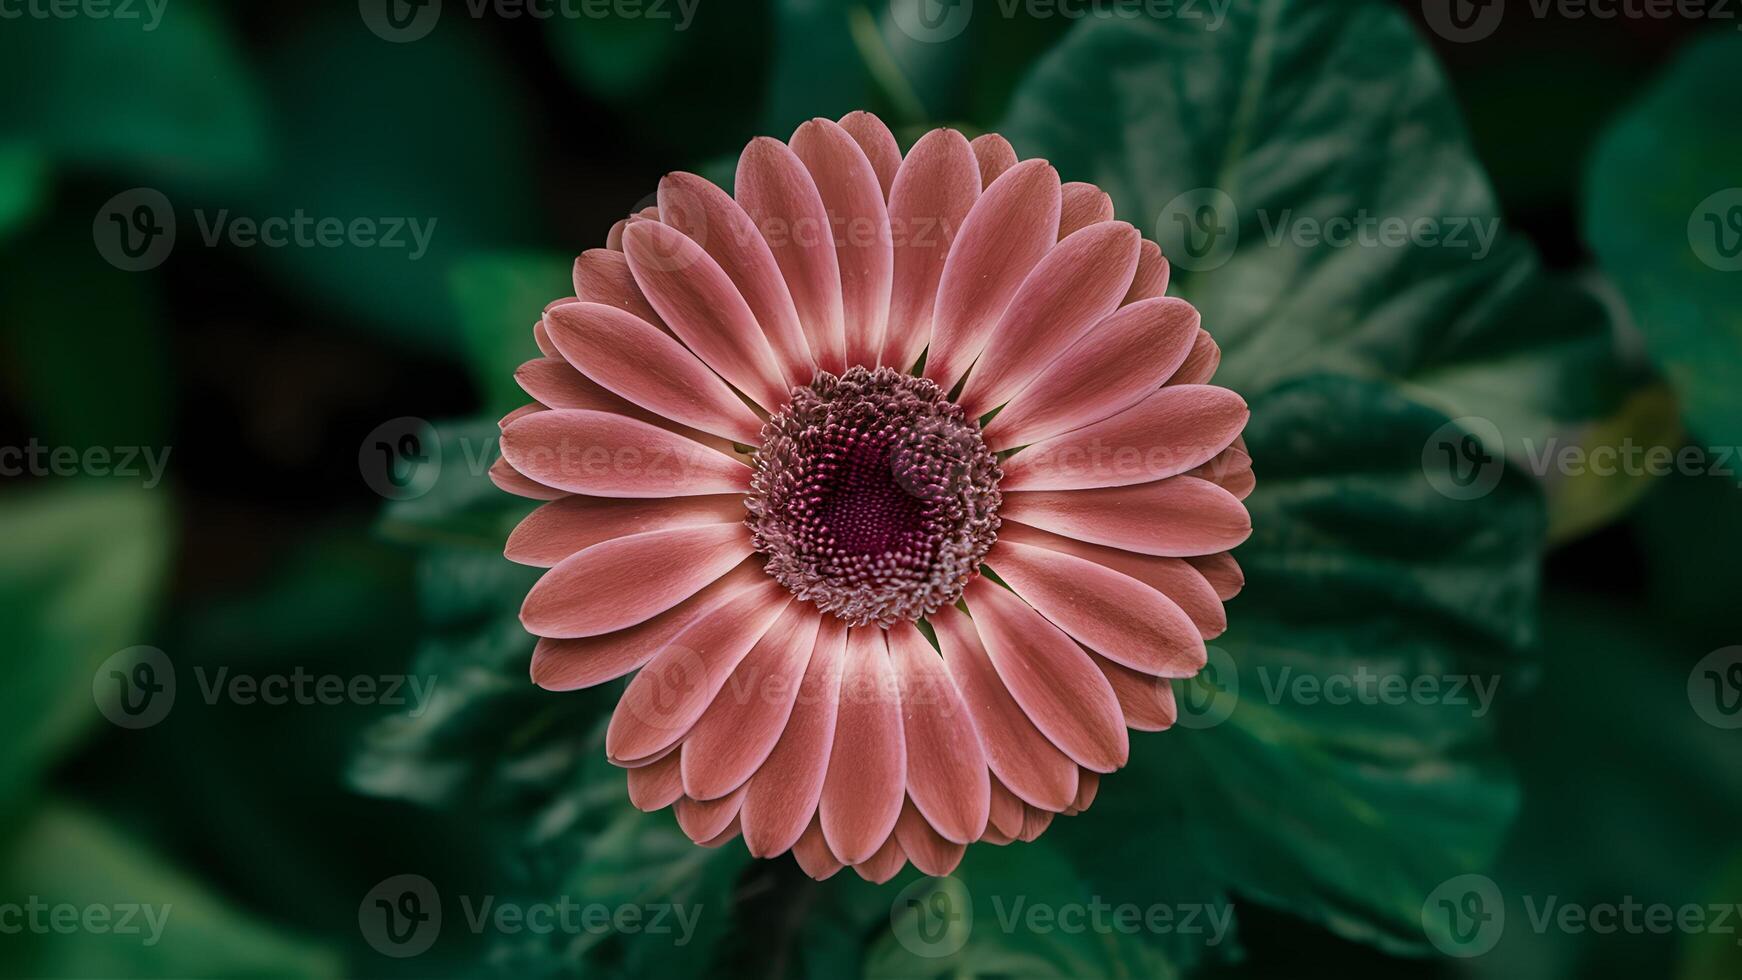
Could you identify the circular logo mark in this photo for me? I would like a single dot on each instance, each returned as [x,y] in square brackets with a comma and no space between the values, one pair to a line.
[1198,230]
[662,695]
[400,21]
[1463,21]
[1715,230]
[1464,916]
[1207,700]
[932,21]
[1715,688]
[135,688]
[401,917]
[1462,458]
[401,459]
[932,917]
[135,230]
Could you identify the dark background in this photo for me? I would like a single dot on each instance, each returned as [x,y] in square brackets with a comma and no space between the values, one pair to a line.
[265,370]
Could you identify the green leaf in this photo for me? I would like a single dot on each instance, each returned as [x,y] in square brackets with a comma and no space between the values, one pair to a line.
[499,298]
[1243,150]
[1356,569]
[1671,237]
[167,98]
[436,152]
[23,185]
[75,392]
[80,576]
[1019,911]
[1611,749]
[67,858]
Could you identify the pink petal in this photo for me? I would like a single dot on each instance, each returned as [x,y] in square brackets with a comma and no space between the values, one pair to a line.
[1077,284]
[743,724]
[813,854]
[664,700]
[542,339]
[884,864]
[932,194]
[878,143]
[928,851]
[1106,610]
[1180,516]
[613,456]
[572,664]
[708,215]
[1007,810]
[603,276]
[1223,573]
[859,220]
[1200,365]
[518,414]
[555,382]
[1034,823]
[995,155]
[1150,282]
[725,836]
[1051,677]
[946,766]
[561,528]
[699,302]
[1145,699]
[1082,205]
[1172,431]
[1020,756]
[614,237]
[1087,786]
[650,369]
[628,580]
[507,478]
[1230,469]
[704,820]
[783,794]
[1111,368]
[1012,225]
[1175,578]
[657,785]
[776,190]
[868,765]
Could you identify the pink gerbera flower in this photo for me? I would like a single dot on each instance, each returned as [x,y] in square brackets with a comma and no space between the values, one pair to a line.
[898,481]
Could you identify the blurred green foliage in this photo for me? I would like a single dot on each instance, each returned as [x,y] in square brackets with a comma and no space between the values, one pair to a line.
[1321,827]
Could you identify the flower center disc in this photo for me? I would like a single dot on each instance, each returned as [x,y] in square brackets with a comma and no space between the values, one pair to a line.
[874,497]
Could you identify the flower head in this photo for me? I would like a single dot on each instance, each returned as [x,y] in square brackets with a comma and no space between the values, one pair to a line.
[896,482]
